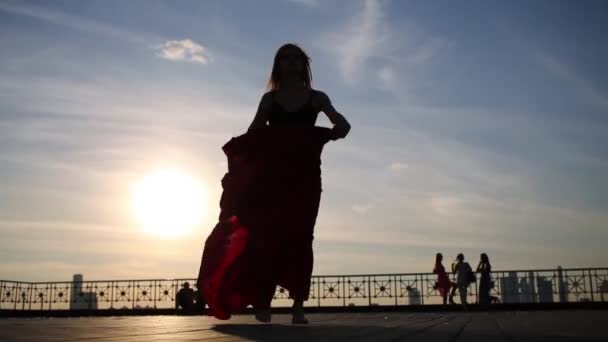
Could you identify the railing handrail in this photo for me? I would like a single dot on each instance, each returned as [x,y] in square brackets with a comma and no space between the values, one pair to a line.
[314,276]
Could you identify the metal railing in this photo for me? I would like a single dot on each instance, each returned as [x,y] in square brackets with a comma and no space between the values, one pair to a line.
[511,287]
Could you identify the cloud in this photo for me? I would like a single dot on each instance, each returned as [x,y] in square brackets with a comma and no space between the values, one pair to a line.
[184,50]
[361,209]
[426,50]
[386,74]
[580,84]
[364,36]
[396,166]
[307,3]
[366,45]
[76,22]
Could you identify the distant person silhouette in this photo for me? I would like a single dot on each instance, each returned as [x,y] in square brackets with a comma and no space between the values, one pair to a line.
[185,298]
[271,196]
[291,101]
[444,284]
[464,276]
[485,280]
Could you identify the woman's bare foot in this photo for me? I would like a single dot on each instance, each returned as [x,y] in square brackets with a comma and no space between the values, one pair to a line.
[263,315]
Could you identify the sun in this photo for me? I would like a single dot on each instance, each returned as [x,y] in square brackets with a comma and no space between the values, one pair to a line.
[168,202]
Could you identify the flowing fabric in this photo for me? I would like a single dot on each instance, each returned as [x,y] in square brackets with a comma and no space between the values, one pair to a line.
[269,207]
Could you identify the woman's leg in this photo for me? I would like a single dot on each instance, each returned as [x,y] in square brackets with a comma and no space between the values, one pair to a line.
[263,303]
[462,289]
[452,293]
[298,312]
[298,276]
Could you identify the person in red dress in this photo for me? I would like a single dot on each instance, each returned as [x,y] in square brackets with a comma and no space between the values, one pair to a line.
[271,197]
[292,102]
[444,284]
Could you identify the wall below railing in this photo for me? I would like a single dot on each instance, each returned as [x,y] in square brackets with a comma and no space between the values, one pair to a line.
[579,285]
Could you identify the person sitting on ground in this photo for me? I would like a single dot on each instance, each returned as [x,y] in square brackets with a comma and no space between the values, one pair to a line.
[185,297]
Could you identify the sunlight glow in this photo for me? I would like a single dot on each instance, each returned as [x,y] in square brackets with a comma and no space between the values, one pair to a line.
[168,203]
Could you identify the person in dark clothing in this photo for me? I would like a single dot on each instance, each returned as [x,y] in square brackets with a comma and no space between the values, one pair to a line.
[291,101]
[271,197]
[185,298]
[485,282]
[463,273]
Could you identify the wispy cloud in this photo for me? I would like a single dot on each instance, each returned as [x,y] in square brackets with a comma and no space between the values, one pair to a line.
[79,23]
[583,86]
[365,47]
[397,166]
[184,50]
[361,209]
[365,35]
[308,3]
[386,74]
[425,50]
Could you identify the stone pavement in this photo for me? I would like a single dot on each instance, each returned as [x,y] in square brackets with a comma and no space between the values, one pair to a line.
[571,325]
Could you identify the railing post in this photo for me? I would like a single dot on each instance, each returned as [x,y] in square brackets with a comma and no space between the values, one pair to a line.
[132,294]
[30,300]
[423,284]
[395,283]
[51,293]
[42,300]
[111,295]
[154,290]
[319,291]
[343,291]
[15,296]
[369,290]
[562,292]
[591,285]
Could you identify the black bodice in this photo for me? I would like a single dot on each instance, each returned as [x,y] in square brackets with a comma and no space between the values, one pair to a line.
[305,116]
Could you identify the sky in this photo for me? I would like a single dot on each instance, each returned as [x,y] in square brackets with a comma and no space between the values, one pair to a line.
[477,126]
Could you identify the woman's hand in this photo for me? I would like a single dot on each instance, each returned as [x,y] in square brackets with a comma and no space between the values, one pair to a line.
[340,130]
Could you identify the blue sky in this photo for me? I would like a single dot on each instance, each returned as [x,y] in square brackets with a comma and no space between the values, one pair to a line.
[478,126]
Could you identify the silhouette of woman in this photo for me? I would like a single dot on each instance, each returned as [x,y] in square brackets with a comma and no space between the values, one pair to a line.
[444,284]
[484,268]
[271,196]
[291,101]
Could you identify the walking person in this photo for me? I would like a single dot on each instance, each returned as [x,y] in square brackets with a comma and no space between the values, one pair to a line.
[444,284]
[271,196]
[485,280]
[464,276]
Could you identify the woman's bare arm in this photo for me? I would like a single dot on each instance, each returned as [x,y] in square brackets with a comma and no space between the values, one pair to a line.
[341,125]
[261,115]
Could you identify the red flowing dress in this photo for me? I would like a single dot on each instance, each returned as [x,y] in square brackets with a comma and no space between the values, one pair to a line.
[444,284]
[269,207]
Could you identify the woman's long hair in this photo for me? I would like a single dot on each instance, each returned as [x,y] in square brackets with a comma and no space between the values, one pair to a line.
[484,258]
[438,259]
[274,82]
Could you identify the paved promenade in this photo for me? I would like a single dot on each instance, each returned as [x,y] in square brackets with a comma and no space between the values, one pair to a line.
[572,325]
